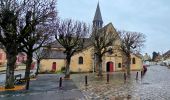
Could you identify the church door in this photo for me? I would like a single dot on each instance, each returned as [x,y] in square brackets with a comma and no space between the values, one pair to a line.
[54,66]
[109,67]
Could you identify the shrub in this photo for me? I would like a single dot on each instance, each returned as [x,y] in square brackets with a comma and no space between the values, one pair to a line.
[63,69]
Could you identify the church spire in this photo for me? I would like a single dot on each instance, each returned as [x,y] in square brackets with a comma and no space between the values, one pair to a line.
[97,21]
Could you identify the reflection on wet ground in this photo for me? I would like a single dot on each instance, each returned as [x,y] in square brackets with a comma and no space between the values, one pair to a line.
[154,85]
[45,87]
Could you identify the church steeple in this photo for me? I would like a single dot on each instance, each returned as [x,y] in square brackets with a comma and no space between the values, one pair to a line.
[97,21]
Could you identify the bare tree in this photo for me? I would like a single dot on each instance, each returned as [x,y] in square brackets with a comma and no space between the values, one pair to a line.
[41,15]
[39,54]
[71,34]
[18,19]
[131,42]
[102,40]
[10,33]
[1,46]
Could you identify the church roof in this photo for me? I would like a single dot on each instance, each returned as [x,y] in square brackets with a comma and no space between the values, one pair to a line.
[98,16]
[59,54]
[53,54]
[56,44]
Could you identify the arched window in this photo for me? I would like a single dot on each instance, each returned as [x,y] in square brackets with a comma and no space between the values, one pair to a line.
[133,61]
[119,65]
[80,60]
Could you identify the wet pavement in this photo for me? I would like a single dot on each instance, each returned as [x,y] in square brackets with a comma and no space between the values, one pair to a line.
[46,87]
[3,75]
[154,85]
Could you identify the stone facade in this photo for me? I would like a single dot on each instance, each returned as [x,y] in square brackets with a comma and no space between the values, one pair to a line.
[47,64]
[84,61]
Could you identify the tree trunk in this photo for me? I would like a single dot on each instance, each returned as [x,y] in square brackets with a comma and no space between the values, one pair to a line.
[38,67]
[128,65]
[67,69]
[100,66]
[28,68]
[11,59]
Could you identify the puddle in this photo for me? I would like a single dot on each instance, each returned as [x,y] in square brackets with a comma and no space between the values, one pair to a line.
[129,97]
[145,83]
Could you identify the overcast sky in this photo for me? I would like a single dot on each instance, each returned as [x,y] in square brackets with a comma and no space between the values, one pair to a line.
[151,17]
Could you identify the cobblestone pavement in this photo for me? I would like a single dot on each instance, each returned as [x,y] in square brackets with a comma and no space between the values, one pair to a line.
[155,85]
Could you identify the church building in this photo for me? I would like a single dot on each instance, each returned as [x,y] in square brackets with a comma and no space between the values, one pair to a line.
[84,61]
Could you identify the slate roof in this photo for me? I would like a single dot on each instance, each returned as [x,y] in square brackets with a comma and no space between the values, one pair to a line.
[98,16]
[54,54]
[56,44]
[87,42]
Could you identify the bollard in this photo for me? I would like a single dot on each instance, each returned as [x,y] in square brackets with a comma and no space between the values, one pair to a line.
[137,76]
[129,97]
[141,74]
[124,76]
[60,82]
[107,78]
[86,84]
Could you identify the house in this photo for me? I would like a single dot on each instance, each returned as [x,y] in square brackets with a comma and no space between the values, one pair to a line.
[84,61]
[166,57]
[54,58]
[2,58]
[21,58]
[146,59]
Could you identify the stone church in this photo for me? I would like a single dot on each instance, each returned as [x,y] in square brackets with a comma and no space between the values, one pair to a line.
[84,61]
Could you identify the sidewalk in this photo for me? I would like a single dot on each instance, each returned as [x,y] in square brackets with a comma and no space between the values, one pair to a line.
[46,87]
[2,69]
